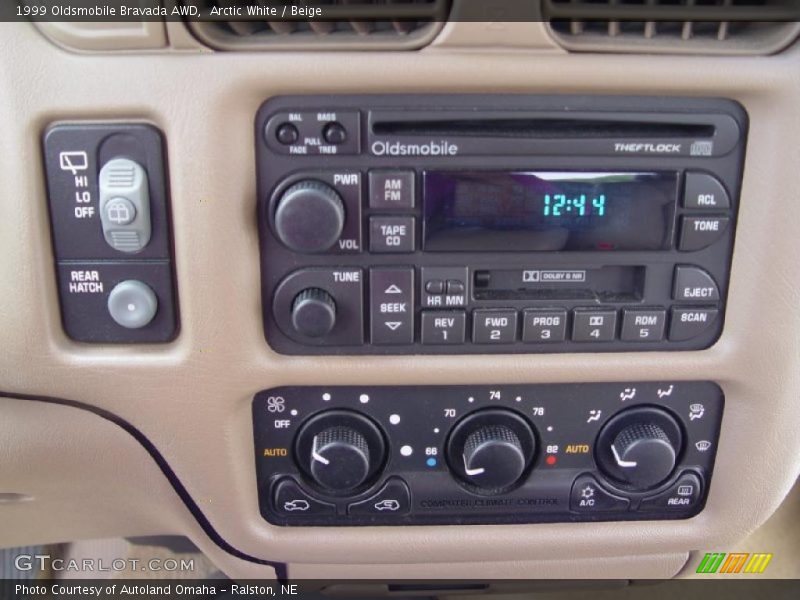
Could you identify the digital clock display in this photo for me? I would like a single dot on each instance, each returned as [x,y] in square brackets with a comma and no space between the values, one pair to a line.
[530,211]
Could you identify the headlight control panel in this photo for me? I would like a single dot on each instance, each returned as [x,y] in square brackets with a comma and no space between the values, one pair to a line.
[477,454]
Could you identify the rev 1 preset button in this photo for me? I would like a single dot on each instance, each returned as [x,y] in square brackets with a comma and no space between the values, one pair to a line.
[443,327]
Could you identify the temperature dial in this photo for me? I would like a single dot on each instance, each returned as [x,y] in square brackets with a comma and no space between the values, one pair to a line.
[340,451]
[491,450]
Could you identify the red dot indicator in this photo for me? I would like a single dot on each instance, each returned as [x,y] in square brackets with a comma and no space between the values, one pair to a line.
[551,460]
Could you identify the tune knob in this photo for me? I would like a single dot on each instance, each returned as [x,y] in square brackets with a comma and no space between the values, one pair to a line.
[313,313]
[340,450]
[309,217]
[639,447]
[491,450]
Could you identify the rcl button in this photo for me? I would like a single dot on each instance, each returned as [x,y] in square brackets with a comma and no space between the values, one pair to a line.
[704,191]
[588,496]
[699,232]
[682,495]
[692,284]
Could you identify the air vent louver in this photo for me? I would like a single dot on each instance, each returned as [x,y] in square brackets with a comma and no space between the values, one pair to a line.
[348,25]
[674,26]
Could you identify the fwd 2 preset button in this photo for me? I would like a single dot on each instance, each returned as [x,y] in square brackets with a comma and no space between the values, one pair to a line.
[494,326]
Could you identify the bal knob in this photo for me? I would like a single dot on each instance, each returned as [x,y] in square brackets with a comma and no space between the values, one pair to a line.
[339,458]
[309,217]
[313,313]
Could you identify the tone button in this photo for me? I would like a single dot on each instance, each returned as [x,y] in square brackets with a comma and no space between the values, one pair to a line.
[699,232]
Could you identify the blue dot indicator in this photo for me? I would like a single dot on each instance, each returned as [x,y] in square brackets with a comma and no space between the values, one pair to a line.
[431,462]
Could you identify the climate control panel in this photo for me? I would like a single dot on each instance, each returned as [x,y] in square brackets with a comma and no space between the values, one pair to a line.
[485,454]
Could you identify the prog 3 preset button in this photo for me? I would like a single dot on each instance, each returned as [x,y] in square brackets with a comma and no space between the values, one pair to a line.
[494,326]
[544,325]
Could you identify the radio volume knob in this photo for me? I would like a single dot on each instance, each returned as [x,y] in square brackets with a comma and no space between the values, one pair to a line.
[309,217]
[313,313]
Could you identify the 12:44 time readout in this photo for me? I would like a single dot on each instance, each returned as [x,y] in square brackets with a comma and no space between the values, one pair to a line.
[561,205]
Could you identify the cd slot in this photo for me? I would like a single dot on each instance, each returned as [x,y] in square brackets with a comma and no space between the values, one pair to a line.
[544,128]
[602,284]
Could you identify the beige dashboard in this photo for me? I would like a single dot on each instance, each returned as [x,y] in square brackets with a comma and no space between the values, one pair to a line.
[116,440]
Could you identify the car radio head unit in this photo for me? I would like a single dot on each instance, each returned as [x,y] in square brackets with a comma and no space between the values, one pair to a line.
[405,224]
[547,211]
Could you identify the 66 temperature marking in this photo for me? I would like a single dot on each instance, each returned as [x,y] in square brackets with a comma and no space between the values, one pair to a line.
[276,404]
